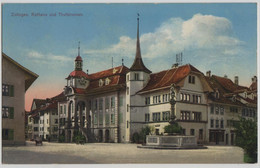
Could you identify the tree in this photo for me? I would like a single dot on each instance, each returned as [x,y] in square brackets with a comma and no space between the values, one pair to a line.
[246,136]
[144,131]
[173,128]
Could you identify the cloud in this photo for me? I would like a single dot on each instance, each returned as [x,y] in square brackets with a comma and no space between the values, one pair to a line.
[38,57]
[199,33]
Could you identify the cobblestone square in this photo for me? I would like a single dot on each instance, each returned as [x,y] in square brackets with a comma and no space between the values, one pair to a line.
[113,153]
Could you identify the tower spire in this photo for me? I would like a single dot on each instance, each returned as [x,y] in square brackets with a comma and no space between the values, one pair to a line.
[138,64]
[79,49]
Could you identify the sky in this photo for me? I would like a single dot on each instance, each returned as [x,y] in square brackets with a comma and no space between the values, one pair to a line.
[221,37]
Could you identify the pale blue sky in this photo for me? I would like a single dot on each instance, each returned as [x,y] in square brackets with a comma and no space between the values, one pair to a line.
[217,37]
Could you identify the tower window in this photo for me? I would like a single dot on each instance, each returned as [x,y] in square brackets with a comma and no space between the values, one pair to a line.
[136,76]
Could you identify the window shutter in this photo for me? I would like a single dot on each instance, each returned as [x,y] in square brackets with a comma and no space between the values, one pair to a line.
[11,87]
[10,134]
[11,110]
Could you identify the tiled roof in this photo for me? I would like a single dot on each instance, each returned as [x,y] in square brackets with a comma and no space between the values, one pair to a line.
[78,74]
[39,102]
[253,86]
[78,58]
[116,77]
[228,84]
[167,77]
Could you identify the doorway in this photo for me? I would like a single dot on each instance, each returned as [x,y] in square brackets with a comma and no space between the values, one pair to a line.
[107,136]
[100,136]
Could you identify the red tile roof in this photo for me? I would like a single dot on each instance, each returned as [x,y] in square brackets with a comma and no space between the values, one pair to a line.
[78,74]
[167,77]
[117,77]
[78,58]
[228,84]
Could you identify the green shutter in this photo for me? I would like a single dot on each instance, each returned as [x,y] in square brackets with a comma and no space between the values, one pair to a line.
[11,90]
[11,112]
[10,134]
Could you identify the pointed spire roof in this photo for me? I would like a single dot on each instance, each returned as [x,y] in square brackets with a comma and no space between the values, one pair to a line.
[138,64]
[78,58]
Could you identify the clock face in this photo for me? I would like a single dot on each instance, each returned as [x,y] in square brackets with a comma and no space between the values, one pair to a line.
[82,81]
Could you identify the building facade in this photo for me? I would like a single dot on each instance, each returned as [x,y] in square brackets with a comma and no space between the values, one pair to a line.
[16,80]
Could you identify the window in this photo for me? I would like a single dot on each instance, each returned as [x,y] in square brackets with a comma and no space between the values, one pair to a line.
[165,98]
[127,90]
[127,78]
[35,128]
[166,116]
[197,116]
[127,108]
[100,119]
[221,110]
[234,109]
[159,99]
[107,81]
[8,112]
[95,118]
[100,104]
[112,102]
[192,132]
[7,90]
[107,103]
[185,115]
[7,134]
[217,123]
[35,121]
[154,99]
[147,117]
[147,100]
[127,124]
[56,121]
[181,96]
[183,131]
[222,123]
[211,123]
[61,110]
[136,76]
[101,82]
[212,109]
[47,121]
[157,116]
[217,110]
[95,105]
[112,119]
[192,79]
[196,98]
[107,119]
[65,110]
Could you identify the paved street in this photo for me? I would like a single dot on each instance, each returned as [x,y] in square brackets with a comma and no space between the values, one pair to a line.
[51,153]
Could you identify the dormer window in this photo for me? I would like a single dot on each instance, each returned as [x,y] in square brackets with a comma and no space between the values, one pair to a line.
[192,79]
[245,93]
[107,81]
[217,94]
[136,76]
[101,82]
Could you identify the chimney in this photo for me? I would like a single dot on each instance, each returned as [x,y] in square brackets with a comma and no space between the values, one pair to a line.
[175,65]
[208,73]
[236,80]
[254,79]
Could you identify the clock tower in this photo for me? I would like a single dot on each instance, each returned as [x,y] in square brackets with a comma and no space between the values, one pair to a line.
[78,61]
